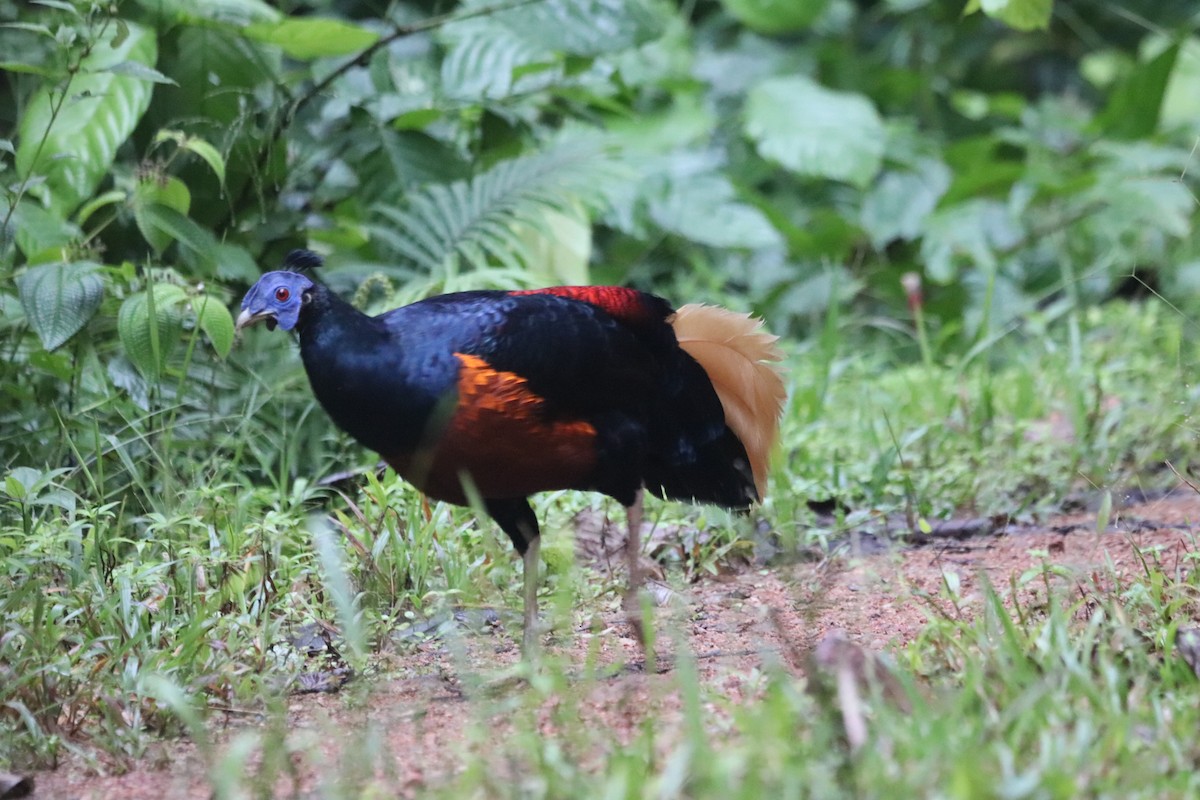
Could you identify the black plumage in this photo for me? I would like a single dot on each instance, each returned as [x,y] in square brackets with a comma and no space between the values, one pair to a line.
[521,392]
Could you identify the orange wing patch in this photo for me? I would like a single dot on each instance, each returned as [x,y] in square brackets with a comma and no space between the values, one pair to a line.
[499,437]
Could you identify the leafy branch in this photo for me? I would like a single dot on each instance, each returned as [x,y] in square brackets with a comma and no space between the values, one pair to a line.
[284,121]
[398,32]
[57,100]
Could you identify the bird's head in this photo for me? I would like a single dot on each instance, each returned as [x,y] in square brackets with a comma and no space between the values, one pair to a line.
[278,296]
[276,299]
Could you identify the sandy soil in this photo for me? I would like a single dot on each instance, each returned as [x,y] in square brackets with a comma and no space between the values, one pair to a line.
[425,709]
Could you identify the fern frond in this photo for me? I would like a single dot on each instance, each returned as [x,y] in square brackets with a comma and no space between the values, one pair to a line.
[477,223]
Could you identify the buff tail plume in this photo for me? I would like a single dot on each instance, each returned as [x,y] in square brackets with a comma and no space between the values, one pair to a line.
[737,355]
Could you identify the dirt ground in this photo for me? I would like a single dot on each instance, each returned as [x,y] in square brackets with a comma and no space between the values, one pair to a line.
[734,625]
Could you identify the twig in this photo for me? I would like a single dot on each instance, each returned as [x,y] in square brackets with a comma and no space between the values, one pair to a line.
[1190,485]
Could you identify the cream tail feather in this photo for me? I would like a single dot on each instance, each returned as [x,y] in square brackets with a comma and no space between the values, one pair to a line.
[736,353]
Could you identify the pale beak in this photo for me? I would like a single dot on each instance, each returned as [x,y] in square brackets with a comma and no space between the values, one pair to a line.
[246,319]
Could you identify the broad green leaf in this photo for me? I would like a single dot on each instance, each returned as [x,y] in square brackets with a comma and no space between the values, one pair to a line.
[29,48]
[686,121]
[149,336]
[1132,208]
[233,12]
[774,17]
[97,115]
[416,119]
[151,199]
[1024,15]
[121,372]
[1181,102]
[136,69]
[216,69]
[98,202]
[22,483]
[60,498]
[587,27]
[14,487]
[1133,108]
[235,264]
[198,146]
[305,38]
[61,5]
[969,234]
[214,319]
[122,33]
[31,27]
[59,299]
[815,131]
[898,204]
[704,208]
[41,235]
[209,154]
[170,222]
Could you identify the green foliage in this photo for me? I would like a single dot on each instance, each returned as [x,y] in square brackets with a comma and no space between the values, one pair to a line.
[442,149]
[815,132]
[998,430]
[70,130]
[776,17]
[1134,107]
[311,38]
[149,325]
[153,200]
[795,158]
[1024,15]
[59,299]
[475,222]
[534,46]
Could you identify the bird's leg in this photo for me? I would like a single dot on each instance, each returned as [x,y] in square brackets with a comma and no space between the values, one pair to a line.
[529,638]
[516,518]
[633,551]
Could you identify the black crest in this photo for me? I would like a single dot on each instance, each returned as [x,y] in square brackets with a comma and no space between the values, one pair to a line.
[301,260]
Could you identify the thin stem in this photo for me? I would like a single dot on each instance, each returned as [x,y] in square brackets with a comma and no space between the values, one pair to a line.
[55,110]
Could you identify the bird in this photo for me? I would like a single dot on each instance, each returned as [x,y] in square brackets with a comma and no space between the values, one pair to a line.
[501,394]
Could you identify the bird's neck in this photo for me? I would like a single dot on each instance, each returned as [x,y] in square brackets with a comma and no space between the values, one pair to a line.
[336,340]
[326,311]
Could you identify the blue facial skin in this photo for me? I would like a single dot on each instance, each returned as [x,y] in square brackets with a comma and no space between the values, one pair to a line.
[275,299]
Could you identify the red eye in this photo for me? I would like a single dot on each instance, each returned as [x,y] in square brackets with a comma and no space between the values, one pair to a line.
[282,294]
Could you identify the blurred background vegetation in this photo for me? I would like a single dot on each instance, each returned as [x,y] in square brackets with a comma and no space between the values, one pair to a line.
[892,184]
[789,156]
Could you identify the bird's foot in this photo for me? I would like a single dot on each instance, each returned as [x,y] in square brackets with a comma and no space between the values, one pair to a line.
[530,641]
[635,614]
